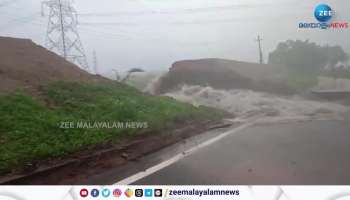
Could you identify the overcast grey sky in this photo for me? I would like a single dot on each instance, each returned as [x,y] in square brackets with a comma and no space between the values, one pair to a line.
[152,34]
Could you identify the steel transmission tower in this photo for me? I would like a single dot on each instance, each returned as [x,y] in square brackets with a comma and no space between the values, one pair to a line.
[261,58]
[94,55]
[62,35]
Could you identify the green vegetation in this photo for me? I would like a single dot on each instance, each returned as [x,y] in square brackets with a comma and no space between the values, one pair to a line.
[30,130]
[306,60]
[300,81]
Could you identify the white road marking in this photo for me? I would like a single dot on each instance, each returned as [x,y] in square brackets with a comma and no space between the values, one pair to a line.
[182,155]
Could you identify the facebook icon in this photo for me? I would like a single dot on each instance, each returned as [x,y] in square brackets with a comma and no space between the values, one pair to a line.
[95,192]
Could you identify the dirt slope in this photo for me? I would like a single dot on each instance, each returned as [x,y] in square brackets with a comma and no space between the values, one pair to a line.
[224,74]
[25,65]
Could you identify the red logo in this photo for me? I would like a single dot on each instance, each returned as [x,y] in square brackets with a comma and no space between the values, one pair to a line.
[117,193]
[84,192]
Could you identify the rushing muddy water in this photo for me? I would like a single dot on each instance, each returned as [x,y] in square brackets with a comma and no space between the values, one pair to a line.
[245,103]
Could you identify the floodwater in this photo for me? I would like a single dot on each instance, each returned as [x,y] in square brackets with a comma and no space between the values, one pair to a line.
[246,103]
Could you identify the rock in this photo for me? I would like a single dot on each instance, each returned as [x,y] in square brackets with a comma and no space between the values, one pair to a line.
[125,156]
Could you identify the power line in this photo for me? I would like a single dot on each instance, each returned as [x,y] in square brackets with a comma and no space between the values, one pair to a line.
[173,11]
[171,23]
[90,30]
[34,20]
[13,22]
[7,3]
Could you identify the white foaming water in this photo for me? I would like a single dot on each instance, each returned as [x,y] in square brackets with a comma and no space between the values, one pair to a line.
[246,103]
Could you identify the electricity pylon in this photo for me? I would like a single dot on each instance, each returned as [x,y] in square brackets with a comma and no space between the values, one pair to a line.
[62,34]
[261,58]
[95,62]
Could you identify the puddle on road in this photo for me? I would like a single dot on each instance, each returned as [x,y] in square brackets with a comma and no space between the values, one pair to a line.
[246,103]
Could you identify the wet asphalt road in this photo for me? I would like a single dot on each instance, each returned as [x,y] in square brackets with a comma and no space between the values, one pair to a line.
[314,152]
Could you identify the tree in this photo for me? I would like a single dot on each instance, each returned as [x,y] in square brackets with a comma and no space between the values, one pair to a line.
[307,57]
[336,55]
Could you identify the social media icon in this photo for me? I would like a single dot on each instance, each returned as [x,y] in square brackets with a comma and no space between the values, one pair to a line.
[95,192]
[84,193]
[148,192]
[106,193]
[117,193]
[158,192]
[128,193]
[138,193]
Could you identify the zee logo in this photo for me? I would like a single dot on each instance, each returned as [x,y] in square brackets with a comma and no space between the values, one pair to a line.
[323,13]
